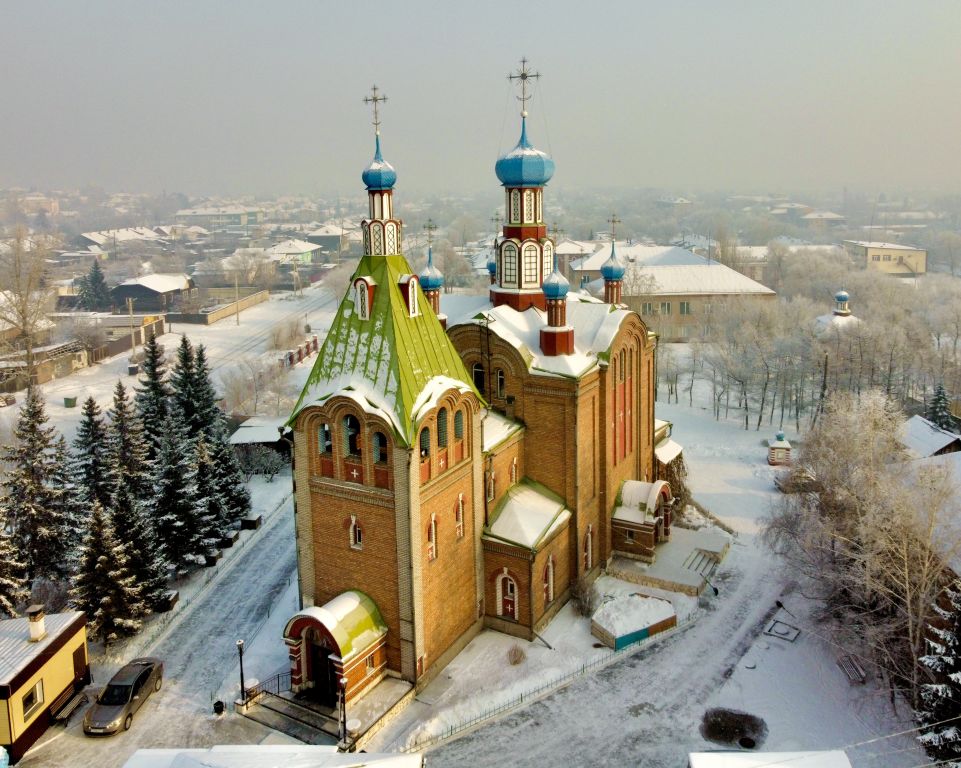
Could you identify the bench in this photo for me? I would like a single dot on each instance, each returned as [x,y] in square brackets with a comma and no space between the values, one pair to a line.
[852,669]
[66,705]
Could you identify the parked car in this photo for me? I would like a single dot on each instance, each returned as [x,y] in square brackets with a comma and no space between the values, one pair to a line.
[123,696]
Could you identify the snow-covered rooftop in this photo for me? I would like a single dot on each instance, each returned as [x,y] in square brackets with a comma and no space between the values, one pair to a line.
[292,247]
[496,429]
[258,429]
[888,246]
[667,450]
[922,438]
[527,515]
[688,279]
[266,755]
[16,649]
[639,254]
[631,613]
[161,283]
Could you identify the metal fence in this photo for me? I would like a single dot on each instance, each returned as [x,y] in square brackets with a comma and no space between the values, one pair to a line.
[275,685]
[139,644]
[538,691]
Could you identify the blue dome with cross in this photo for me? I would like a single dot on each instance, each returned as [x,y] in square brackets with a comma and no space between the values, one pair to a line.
[379,175]
[431,279]
[556,285]
[613,268]
[524,166]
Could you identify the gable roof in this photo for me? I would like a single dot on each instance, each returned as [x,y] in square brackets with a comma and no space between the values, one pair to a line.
[692,279]
[527,515]
[393,364]
[922,438]
[160,283]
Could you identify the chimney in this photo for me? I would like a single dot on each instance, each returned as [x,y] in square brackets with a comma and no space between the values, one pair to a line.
[38,628]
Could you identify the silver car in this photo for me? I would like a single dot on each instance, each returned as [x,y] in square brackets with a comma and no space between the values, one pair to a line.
[123,696]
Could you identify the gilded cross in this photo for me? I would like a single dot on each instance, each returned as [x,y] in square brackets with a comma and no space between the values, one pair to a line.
[375,100]
[430,226]
[524,74]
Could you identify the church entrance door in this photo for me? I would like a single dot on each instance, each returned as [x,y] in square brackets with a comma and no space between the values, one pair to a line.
[508,598]
[324,675]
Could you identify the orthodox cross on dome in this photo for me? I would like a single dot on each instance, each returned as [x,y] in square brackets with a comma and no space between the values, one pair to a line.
[496,220]
[375,100]
[524,74]
[556,232]
[613,221]
[430,226]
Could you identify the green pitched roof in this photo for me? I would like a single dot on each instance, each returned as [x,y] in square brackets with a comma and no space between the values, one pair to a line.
[388,361]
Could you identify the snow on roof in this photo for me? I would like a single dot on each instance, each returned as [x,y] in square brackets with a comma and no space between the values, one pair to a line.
[832,322]
[689,279]
[639,500]
[496,429]
[16,649]
[568,247]
[922,438]
[352,618]
[328,230]
[823,216]
[638,253]
[595,325]
[527,515]
[667,450]
[834,758]
[292,246]
[258,429]
[624,614]
[161,283]
[889,246]
[265,755]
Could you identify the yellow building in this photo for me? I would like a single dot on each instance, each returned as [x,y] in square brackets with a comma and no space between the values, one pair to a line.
[891,258]
[43,662]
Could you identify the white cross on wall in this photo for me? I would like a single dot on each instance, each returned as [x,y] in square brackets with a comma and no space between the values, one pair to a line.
[354,473]
[442,462]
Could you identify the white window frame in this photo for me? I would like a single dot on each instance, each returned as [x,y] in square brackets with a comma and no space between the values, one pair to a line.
[490,486]
[412,296]
[356,534]
[37,692]
[459,516]
[432,539]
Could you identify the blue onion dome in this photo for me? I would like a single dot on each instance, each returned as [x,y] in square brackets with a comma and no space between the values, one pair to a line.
[841,295]
[555,285]
[379,174]
[492,262]
[613,268]
[431,279]
[524,166]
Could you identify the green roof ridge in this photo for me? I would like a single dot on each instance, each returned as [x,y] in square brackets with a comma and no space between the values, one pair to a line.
[394,354]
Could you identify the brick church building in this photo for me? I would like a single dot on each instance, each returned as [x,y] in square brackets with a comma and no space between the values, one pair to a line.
[463,465]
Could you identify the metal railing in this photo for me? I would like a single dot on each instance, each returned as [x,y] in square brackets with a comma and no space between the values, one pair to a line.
[275,685]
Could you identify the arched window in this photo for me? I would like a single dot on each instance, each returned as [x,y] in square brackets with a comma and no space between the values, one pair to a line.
[412,297]
[509,270]
[356,534]
[549,580]
[442,428]
[548,259]
[324,439]
[425,442]
[506,597]
[432,538]
[362,300]
[351,435]
[380,447]
[623,356]
[459,421]
[514,471]
[459,515]
[530,265]
[477,373]
[501,381]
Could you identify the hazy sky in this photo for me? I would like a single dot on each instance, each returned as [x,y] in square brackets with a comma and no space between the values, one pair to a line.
[243,97]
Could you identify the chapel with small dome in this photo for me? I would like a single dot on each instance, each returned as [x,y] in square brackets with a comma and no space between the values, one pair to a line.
[460,461]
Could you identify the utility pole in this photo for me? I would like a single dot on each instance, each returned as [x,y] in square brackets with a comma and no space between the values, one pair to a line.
[236,300]
[133,336]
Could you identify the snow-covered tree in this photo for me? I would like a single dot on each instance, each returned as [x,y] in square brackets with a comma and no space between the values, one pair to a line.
[206,412]
[89,455]
[940,700]
[939,409]
[72,506]
[126,447]
[182,385]
[213,514]
[105,588]
[135,533]
[13,587]
[173,506]
[94,293]
[30,507]
[229,475]
[151,398]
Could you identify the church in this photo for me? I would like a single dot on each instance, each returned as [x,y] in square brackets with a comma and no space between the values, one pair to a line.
[464,464]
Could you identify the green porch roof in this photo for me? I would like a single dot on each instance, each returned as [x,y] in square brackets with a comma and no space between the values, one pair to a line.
[352,618]
[386,363]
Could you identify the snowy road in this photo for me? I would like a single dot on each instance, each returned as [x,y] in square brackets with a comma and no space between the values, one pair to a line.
[197,652]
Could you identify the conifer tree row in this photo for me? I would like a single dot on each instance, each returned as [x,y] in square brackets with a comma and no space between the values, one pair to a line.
[940,700]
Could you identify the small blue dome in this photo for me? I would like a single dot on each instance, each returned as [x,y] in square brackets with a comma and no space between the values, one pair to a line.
[841,296]
[431,279]
[492,262]
[379,174]
[613,268]
[524,166]
[556,285]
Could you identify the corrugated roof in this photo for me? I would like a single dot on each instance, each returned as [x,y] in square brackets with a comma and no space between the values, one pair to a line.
[16,650]
[693,279]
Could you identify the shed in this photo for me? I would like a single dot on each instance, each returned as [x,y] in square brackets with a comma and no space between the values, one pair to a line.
[779,451]
[260,430]
[156,293]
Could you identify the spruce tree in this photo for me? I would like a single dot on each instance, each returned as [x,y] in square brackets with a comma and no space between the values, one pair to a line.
[31,507]
[104,588]
[126,446]
[173,507]
[206,412]
[135,533]
[939,409]
[151,398]
[213,514]
[72,506]
[94,294]
[182,378]
[13,587]
[89,455]
[229,474]
[941,700]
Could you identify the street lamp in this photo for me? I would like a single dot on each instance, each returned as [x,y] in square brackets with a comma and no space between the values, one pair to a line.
[243,689]
[343,710]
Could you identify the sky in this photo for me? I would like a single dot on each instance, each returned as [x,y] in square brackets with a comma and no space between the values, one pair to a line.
[265,98]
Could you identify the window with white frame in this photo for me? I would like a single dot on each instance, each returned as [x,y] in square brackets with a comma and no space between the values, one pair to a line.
[412,297]
[356,534]
[33,700]
[501,380]
[665,308]
[549,580]
[510,264]
[686,308]
[459,515]
[490,485]
[432,538]
[530,265]
[629,535]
